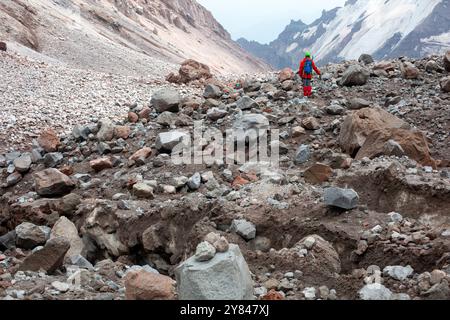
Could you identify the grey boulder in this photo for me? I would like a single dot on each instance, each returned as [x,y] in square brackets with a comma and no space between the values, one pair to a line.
[244,228]
[341,198]
[166,100]
[224,277]
[166,141]
[355,75]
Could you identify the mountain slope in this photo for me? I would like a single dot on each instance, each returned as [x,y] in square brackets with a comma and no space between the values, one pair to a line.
[383,28]
[132,37]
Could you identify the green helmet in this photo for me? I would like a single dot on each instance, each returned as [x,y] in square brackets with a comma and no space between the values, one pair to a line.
[307,54]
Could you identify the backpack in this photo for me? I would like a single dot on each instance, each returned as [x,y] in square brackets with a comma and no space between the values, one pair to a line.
[308,69]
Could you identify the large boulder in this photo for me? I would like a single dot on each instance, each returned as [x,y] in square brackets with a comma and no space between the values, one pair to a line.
[302,155]
[193,70]
[244,228]
[356,127]
[3,46]
[365,58]
[409,70]
[246,103]
[445,84]
[341,198]
[250,127]
[286,74]
[67,229]
[23,163]
[143,285]
[355,75]
[322,259]
[447,61]
[375,291]
[318,173]
[166,141]
[49,258]
[52,183]
[225,277]
[166,100]
[251,121]
[106,132]
[397,142]
[358,103]
[49,140]
[212,91]
[190,70]
[30,236]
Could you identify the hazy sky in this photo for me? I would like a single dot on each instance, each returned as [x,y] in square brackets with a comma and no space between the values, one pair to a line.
[264,20]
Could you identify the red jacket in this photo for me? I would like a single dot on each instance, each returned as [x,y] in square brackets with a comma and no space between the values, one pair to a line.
[302,65]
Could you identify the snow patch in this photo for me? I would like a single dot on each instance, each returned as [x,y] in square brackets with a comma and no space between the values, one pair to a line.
[308,34]
[291,47]
[381,19]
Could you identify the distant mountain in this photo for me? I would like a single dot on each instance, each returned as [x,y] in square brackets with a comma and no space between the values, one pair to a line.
[383,28]
[129,36]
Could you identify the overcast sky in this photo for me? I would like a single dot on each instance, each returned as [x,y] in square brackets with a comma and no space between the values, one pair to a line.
[264,20]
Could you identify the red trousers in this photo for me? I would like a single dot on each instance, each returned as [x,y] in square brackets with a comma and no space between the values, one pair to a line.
[307,88]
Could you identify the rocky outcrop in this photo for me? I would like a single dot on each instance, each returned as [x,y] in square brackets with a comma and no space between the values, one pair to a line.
[190,71]
[411,143]
[356,128]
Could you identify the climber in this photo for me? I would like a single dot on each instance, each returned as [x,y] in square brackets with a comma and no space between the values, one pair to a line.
[307,66]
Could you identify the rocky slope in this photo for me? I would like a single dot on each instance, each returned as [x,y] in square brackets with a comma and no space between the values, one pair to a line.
[135,38]
[384,29]
[356,207]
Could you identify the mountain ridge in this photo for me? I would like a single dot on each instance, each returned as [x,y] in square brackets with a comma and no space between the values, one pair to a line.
[385,29]
[128,37]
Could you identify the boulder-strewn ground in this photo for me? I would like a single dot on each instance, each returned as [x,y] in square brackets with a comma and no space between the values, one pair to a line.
[358,207]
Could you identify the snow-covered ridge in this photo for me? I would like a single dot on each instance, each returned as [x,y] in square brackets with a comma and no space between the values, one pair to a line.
[371,23]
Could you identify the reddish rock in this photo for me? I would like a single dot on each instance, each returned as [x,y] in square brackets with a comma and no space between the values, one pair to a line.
[141,154]
[409,71]
[310,123]
[133,117]
[49,258]
[412,142]
[297,131]
[49,140]
[386,66]
[318,173]
[272,295]
[286,74]
[101,164]
[122,132]
[3,46]
[143,285]
[191,70]
[173,78]
[357,126]
[144,113]
[67,170]
[51,182]
[239,181]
